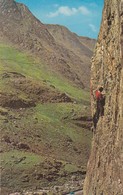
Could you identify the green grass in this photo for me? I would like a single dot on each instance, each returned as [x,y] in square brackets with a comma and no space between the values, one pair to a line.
[51,118]
[45,128]
[13,157]
[70,168]
[58,110]
[14,60]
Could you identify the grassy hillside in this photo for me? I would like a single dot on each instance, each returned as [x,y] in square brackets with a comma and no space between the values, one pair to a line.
[12,60]
[44,120]
[61,50]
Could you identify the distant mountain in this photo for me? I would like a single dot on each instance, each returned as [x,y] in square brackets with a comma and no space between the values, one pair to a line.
[62,51]
[88,42]
[79,47]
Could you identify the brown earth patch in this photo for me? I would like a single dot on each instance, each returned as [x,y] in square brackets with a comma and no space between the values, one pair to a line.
[12,101]
[83,121]
[34,91]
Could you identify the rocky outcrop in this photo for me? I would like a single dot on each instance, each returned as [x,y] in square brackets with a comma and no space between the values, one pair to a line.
[105,166]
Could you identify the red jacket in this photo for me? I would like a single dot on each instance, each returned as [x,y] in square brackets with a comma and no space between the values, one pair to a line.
[98,95]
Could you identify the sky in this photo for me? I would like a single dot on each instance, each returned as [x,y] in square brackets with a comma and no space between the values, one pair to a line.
[82,17]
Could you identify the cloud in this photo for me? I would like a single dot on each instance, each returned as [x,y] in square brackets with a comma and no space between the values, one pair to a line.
[93,28]
[67,11]
[84,10]
[63,10]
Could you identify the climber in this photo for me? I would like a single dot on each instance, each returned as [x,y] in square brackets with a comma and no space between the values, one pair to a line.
[100,103]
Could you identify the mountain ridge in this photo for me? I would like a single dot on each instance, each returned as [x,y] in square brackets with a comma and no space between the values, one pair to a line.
[32,35]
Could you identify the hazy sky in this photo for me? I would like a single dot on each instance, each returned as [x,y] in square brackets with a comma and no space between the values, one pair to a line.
[80,16]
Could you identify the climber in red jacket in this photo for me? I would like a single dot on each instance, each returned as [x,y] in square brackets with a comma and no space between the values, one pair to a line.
[100,99]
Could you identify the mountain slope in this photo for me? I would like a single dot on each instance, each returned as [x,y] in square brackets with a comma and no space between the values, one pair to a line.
[44,112]
[31,35]
[90,43]
[69,40]
[74,44]
[44,125]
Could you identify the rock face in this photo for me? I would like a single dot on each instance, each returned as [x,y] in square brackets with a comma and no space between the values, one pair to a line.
[105,166]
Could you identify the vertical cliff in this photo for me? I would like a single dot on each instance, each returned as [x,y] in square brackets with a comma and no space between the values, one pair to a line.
[105,166]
